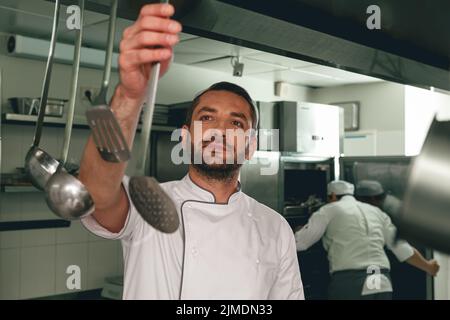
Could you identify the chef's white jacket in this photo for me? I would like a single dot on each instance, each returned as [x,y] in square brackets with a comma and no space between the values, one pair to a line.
[238,250]
[354,235]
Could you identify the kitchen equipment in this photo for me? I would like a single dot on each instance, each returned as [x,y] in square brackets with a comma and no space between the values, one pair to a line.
[54,107]
[38,163]
[66,196]
[106,132]
[425,214]
[152,203]
[310,128]
[30,106]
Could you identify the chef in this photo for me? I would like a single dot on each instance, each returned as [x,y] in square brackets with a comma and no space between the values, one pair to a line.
[354,235]
[372,192]
[229,246]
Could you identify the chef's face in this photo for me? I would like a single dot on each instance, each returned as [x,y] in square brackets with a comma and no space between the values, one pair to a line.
[221,131]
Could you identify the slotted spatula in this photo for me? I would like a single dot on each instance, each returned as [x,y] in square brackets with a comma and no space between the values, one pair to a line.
[151,201]
[106,132]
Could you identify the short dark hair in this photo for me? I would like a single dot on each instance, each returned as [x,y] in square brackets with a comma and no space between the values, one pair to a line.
[224,86]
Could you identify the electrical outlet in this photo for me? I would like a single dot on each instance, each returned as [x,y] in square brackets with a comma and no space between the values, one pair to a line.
[88,94]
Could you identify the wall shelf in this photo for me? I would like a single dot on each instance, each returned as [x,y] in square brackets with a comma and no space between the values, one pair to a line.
[78,122]
[33,224]
[18,189]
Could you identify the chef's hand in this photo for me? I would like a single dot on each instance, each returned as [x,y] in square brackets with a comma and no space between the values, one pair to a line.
[433,267]
[150,39]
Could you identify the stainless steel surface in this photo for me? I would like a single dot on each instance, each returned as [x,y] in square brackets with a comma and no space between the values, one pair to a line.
[264,188]
[30,106]
[101,98]
[151,201]
[66,196]
[297,30]
[153,204]
[425,215]
[106,132]
[310,128]
[47,77]
[147,119]
[38,164]
[54,108]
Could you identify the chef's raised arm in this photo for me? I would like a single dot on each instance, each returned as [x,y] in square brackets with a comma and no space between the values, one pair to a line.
[150,39]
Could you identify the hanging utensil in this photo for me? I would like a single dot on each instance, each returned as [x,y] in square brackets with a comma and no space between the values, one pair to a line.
[39,165]
[66,196]
[106,132]
[150,200]
[425,214]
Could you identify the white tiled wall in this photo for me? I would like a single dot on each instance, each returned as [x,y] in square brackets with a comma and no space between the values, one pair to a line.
[33,263]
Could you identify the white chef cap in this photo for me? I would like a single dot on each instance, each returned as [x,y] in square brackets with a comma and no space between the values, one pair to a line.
[340,187]
[369,188]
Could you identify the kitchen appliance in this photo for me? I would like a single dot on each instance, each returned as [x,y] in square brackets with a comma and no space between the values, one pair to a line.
[311,129]
[106,132]
[66,196]
[30,106]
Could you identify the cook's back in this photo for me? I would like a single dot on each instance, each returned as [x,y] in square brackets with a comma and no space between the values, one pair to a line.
[355,236]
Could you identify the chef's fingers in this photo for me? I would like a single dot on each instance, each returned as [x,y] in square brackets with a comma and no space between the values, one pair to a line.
[154,23]
[151,23]
[157,9]
[148,39]
[132,58]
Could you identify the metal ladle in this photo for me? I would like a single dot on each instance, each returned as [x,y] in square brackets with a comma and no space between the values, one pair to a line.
[39,165]
[66,196]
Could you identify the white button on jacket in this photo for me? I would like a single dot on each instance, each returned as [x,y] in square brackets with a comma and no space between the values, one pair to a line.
[239,250]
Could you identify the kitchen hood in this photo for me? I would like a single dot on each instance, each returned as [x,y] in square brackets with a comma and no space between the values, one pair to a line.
[326,32]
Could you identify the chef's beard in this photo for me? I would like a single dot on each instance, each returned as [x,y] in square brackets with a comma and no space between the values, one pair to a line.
[215,171]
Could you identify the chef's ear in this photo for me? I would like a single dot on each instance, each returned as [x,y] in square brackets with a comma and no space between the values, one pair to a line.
[332,197]
[185,135]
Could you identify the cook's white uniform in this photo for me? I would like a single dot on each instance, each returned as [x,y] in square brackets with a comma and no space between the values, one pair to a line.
[354,235]
[239,250]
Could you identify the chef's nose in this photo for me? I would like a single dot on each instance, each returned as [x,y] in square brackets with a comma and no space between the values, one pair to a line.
[221,127]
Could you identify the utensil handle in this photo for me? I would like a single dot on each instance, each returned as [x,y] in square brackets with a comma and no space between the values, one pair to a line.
[47,77]
[147,118]
[101,98]
[73,86]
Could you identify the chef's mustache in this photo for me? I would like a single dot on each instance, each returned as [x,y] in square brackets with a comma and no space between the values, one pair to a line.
[229,139]
[217,140]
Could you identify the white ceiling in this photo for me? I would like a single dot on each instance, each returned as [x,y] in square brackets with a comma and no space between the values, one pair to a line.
[34,17]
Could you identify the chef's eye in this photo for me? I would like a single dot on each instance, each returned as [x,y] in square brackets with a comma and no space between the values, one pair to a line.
[205,118]
[238,124]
